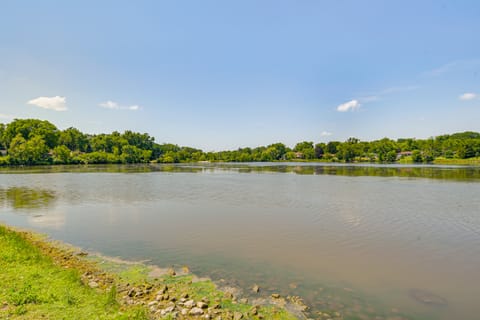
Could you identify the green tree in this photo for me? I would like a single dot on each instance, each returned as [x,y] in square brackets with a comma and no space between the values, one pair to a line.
[61,154]
[29,128]
[73,139]
[32,151]
[417,156]
[319,150]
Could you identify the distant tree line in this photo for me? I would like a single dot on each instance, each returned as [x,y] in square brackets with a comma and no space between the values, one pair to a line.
[32,142]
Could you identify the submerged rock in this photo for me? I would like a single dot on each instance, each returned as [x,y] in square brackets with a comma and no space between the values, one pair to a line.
[427,298]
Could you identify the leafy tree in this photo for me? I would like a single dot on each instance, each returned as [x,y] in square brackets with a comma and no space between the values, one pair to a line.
[332,146]
[319,150]
[417,156]
[73,139]
[61,154]
[32,151]
[29,128]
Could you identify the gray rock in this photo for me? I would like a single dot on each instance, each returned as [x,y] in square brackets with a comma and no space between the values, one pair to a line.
[256,288]
[237,315]
[189,304]
[196,311]
[170,309]
[93,284]
[202,305]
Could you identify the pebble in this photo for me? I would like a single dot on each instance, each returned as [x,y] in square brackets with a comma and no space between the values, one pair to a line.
[196,311]
[237,315]
[189,304]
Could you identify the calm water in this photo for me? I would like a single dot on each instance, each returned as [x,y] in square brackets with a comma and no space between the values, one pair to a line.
[358,239]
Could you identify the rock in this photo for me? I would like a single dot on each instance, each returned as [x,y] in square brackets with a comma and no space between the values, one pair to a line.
[256,288]
[237,315]
[196,311]
[244,300]
[254,311]
[427,298]
[162,290]
[171,272]
[189,304]
[228,295]
[152,303]
[170,309]
[184,295]
[93,284]
[202,305]
[275,295]
[184,312]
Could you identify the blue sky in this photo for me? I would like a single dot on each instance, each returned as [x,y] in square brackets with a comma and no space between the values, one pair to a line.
[227,74]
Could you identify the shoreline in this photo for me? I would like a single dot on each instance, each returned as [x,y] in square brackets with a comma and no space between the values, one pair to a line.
[136,287]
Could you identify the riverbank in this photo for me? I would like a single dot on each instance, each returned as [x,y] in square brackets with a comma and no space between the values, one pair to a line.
[43,279]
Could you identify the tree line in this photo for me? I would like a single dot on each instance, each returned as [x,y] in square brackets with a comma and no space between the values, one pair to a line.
[32,142]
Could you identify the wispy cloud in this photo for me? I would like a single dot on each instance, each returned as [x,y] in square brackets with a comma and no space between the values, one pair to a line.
[115,106]
[468,96]
[348,106]
[451,66]
[325,134]
[56,103]
[390,90]
[398,89]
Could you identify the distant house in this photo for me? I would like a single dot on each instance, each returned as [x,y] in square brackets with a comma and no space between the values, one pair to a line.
[299,155]
[404,154]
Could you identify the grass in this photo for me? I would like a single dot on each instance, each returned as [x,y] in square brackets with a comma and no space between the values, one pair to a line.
[34,287]
[42,280]
[469,161]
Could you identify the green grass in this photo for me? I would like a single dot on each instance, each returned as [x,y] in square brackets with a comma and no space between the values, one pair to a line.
[33,287]
[42,280]
[469,161]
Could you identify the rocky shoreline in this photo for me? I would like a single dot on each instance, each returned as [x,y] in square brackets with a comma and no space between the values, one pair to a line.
[163,293]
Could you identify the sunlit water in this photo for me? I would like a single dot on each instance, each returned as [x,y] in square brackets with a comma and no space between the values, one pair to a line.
[357,239]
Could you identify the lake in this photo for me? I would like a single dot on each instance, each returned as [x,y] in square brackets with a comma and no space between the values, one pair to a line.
[368,241]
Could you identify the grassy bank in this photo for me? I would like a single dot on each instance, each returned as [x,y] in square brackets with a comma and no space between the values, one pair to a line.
[39,279]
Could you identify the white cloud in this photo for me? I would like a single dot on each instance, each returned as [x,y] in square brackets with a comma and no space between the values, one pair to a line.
[109,105]
[325,134]
[56,103]
[467,96]
[115,106]
[348,106]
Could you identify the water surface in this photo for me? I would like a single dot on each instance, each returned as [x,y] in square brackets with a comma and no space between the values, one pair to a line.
[362,240]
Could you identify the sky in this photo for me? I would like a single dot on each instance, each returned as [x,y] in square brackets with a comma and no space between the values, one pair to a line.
[227,74]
